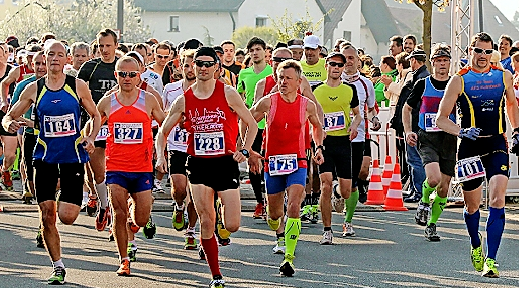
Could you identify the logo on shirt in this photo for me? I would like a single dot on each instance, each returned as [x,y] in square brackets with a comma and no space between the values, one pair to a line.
[128,112]
[333,98]
[208,121]
[55,101]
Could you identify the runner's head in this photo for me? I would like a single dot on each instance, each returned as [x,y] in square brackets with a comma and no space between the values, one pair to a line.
[240,55]
[335,64]
[256,48]
[409,43]
[139,58]
[55,56]
[289,75]
[440,58]
[4,53]
[279,55]
[80,54]
[142,50]
[351,57]
[127,73]
[296,47]
[505,43]
[205,63]
[31,50]
[162,53]
[107,44]
[38,65]
[481,49]
[229,51]
[312,46]
[187,64]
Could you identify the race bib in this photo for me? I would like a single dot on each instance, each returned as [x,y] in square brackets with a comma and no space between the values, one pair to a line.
[103,133]
[429,119]
[209,143]
[283,164]
[128,133]
[334,121]
[179,136]
[59,126]
[469,168]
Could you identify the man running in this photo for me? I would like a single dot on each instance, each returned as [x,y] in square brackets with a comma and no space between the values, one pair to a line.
[129,113]
[436,147]
[481,91]
[61,151]
[80,52]
[286,166]
[162,54]
[212,110]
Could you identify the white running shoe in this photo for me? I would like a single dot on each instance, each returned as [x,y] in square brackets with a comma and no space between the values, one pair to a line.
[348,230]
[337,201]
[279,248]
[327,238]
[157,187]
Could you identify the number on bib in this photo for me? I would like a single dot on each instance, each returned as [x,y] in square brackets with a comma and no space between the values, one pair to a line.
[103,133]
[334,121]
[430,125]
[179,136]
[469,168]
[283,164]
[209,143]
[59,126]
[128,133]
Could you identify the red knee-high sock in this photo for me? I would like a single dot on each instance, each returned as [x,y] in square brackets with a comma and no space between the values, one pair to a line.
[210,247]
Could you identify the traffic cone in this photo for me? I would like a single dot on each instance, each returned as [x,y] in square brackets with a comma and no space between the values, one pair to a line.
[394,196]
[375,194]
[387,174]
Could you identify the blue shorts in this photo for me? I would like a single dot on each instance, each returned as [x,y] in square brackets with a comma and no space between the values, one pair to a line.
[275,184]
[131,181]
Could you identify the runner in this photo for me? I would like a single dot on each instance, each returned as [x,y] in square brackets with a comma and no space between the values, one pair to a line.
[61,150]
[162,55]
[296,47]
[436,147]
[80,52]
[229,57]
[338,101]
[129,113]
[481,91]
[212,110]
[286,165]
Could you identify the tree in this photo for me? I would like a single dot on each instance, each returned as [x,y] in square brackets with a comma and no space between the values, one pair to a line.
[79,20]
[287,29]
[242,35]
[208,39]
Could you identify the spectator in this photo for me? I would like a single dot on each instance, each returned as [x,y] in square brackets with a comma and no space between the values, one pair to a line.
[393,89]
[505,45]
[388,70]
[396,45]
[409,43]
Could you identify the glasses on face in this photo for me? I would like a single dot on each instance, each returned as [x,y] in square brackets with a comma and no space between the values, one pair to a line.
[123,74]
[485,51]
[280,59]
[206,64]
[162,56]
[334,64]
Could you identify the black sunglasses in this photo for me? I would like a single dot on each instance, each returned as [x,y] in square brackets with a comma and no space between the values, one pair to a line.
[485,51]
[280,59]
[206,64]
[334,64]
[162,56]
[123,74]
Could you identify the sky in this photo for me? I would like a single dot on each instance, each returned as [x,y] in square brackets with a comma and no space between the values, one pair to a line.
[508,7]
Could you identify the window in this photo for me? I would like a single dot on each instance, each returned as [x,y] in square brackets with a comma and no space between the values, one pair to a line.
[347,35]
[261,21]
[174,24]
[499,21]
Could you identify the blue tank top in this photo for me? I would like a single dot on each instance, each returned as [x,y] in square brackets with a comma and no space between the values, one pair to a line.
[58,121]
[482,101]
[429,106]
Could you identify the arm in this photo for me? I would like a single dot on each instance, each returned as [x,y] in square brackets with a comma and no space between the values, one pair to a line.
[372,110]
[511,104]
[27,98]
[306,89]
[259,90]
[156,111]
[4,89]
[317,131]
[155,94]
[173,118]
[452,92]
[95,118]
[410,136]
[354,125]
[257,111]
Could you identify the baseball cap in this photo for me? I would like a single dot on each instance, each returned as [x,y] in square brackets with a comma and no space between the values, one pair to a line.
[206,51]
[134,54]
[311,41]
[218,49]
[334,54]
[417,52]
[192,44]
[295,43]
[439,53]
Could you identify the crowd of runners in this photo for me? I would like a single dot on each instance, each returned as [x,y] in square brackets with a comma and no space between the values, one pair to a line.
[111,120]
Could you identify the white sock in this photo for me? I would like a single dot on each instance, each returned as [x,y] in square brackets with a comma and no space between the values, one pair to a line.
[101,189]
[180,207]
[190,229]
[58,264]
[85,195]
[126,258]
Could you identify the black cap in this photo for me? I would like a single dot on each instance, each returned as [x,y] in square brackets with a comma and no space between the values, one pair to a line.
[192,44]
[415,53]
[218,49]
[334,54]
[439,53]
[206,51]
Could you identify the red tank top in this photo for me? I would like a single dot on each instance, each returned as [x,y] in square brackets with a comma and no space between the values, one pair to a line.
[213,127]
[285,129]
[143,86]
[130,140]
[25,72]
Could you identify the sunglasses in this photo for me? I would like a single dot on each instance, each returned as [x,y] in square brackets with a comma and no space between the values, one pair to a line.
[123,74]
[162,56]
[206,64]
[334,64]
[280,59]
[485,51]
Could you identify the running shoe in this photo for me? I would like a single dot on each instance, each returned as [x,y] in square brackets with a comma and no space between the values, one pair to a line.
[132,251]
[337,201]
[217,283]
[27,198]
[110,235]
[190,241]
[92,206]
[133,227]
[477,256]
[259,211]
[6,181]
[39,239]
[422,214]
[157,187]
[223,241]
[315,216]
[279,248]
[102,218]
[178,220]
[124,268]
[149,229]
[202,255]
[348,230]
[490,268]
[84,204]
[15,175]
[327,238]
[431,233]
[287,266]
[57,276]
[305,213]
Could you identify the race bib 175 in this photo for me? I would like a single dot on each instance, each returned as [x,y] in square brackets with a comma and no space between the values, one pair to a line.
[283,164]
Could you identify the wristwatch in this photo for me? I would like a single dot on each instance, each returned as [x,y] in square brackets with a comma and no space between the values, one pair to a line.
[320,147]
[245,152]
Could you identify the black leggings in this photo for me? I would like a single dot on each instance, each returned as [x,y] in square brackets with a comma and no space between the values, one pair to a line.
[257,179]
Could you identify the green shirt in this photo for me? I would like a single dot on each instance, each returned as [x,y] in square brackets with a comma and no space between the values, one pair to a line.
[379,88]
[247,79]
[337,103]
[314,73]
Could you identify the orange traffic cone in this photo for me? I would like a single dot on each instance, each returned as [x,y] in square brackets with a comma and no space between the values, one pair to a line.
[394,196]
[375,194]
[387,174]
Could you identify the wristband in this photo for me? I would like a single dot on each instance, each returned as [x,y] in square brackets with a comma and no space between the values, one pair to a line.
[515,130]
[319,147]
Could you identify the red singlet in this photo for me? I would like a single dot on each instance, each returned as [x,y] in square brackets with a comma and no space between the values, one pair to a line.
[25,72]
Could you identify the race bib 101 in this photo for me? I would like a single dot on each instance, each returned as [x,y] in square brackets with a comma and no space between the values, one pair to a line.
[429,119]
[128,133]
[59,126]
[334,121]
[283,164]
[209,143]
[103,133]
[469,168]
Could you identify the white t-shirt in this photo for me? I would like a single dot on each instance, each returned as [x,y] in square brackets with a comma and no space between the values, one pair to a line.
[177,137]
[363,99]
[153,79]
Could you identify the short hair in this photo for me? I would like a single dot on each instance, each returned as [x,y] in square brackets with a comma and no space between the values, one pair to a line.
[123,48]
[227,42]
[507,37]
[47,36]
[440,46]
[31,40]
[290,64]
[515,56]
[255,41]
[139,46]
[282,49]
[94,47]
[162,45]
[397,39]
[338,42]
[126,59]
[79,45]
[401,59]
[190,53]
[38,54]
[482,37]
[389,60]
[269,47]
[410,36]
[36,47]
[107,32]
[240,52]
[47,46]
[346,46]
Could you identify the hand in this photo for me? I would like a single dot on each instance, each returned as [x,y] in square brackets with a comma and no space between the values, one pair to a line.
[376,125]
[514,147]
[353,133]
[318,157]
[411,139]
[255,162]
[161,164]
[238,156]
[15,125]
[88,143]
[386,80]
[4,106]
[470,133]
[274,89]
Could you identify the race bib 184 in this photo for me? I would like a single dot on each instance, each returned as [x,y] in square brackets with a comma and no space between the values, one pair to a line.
[128,133]
[469,168]
[103,133]
[283,164]
[209,143]
[429,119]
[59,126]
[334,121]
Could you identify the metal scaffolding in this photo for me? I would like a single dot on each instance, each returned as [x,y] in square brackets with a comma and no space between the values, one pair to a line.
[462,17]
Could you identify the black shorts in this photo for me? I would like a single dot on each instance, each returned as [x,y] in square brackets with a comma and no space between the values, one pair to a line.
[29,141]
[358,149]
[177,162]
[368,148]
[71,181]
[337,157]
[219,173]
[439,147]
[2,130]
[100,144]
[493,152]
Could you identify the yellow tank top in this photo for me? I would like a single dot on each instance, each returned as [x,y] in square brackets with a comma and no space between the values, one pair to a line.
[336,103]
